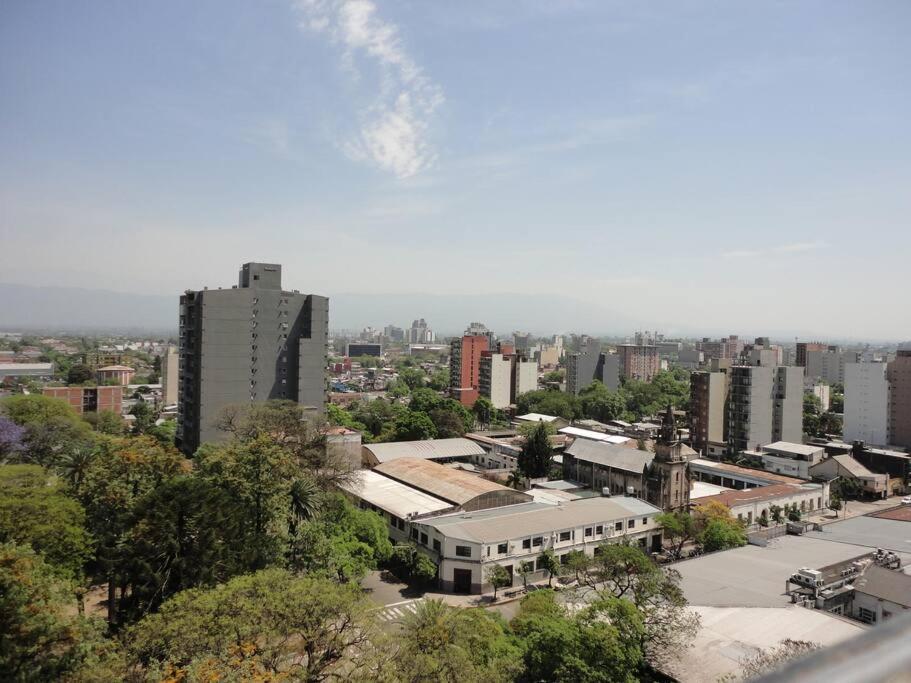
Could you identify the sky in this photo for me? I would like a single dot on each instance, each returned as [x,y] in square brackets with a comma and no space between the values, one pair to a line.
[690,165]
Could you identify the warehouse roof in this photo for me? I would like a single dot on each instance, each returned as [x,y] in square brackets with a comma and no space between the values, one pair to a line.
[537,417]
[610,455]
[430,449]
[760,494]
[737,470]
[392,496]
[789,447]
[527,519]
[885,584]
[855,468]
[452,485]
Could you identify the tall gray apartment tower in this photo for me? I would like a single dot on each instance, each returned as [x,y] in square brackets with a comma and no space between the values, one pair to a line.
[253,342]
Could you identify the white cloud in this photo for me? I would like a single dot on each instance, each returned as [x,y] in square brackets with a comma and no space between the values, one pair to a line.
[393,131]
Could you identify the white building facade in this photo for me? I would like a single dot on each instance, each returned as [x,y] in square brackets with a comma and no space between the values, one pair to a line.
[866,415]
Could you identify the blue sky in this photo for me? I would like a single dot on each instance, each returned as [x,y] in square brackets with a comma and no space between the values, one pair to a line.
[691,165]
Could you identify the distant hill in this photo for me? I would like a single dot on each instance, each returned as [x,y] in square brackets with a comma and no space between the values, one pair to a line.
[75,309]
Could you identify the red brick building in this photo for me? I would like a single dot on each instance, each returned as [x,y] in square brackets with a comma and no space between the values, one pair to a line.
[465,367]
[89,399]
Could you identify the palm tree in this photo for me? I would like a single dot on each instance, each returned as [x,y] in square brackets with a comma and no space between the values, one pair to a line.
[305,502]
[73,464]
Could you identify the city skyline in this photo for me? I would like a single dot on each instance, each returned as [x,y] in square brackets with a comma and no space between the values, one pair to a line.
[705,167]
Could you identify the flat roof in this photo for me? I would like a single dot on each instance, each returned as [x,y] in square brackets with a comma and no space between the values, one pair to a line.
[762,475]
[119,368]
[392,496]
[703,489]
[527,519]
[13,368]
[868,532]
[429,449]
[537,417]
[789,447]
[447,483]
[610,455]
[754,576]
[593,435]
[560,485]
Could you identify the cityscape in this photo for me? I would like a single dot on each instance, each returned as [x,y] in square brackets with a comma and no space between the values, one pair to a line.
[365,340]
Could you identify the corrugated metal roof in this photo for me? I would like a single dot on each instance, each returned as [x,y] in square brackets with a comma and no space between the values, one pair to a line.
[537,417]
[393,496]
[430,449]
[527,519]
[455,486]
[610,455]
[762,475]
[856,468]
[789,447]
[758,495]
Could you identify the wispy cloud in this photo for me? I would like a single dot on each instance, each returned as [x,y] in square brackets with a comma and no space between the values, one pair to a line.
[393,131]
[794,248]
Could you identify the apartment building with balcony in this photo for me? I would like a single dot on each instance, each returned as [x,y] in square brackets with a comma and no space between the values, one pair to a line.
[465,367]
[250,343]
[765,405]
[638,361]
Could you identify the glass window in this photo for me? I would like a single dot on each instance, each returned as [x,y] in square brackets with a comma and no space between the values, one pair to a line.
[423,539]
[618,526]
[414,533]
[599,529]
[645,520]
[630,524]
[526,543]
[588,531]
[436,545]
[564,535]
[463,551]
[537,541]
[502,548]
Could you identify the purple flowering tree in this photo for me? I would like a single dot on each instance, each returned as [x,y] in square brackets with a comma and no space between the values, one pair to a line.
[12,438]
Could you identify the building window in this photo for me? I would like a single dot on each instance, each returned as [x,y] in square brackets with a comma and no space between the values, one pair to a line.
[502,549]
[414,533]
[599,529]
[644,521]
[631,523]
[526,543]
[463,551]
[537,541]
[436,545]
[618,526]
[588,531]
[423,539]
[564,558]
[564,535]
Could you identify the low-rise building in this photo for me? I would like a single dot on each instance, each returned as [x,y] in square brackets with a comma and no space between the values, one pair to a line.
[790,459]
[591,435]
[465,545]
[18,370]
[439,450]
[848,468]
[751,505]
[880,594]
[122,374]
[531,418]
[89,399]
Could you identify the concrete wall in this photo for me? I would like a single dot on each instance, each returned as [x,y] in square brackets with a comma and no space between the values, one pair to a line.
[610,371]
[787,419]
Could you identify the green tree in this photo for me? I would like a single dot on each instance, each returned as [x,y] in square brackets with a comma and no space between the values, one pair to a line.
[548,562]
[41,636]
[413,378]
[145,417]
[497,576]
[537,455]
[79,374]
[718,530]
[413,426]
[439,380]
[525,570]
[302,627]
[165,433]
[599,403]
[109,422]
[424,400]
[549,402]
[625,572]
[442,643]
[183,534]
[483,411]
[52,427]
[601,643]
[35,511]
[678,527]
[578,563]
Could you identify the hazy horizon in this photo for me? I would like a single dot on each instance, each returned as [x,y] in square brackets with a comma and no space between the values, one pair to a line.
[702,167]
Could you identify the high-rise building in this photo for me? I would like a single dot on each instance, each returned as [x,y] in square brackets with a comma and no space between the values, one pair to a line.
[582,365]
[465,367]
[899,376]
[250,343]
[708,410]
[639,361]
[506,376]
[420,333]
[609,365]
[393,333]
[765,405]
[729,347]
[828,364]
[802,349]
[170,372]
[866,416]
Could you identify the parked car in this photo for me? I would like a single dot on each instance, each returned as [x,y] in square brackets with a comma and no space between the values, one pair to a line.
[906,500]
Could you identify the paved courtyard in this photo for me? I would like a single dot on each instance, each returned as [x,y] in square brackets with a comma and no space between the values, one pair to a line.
[872,532]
